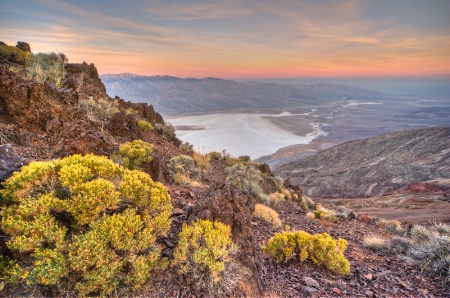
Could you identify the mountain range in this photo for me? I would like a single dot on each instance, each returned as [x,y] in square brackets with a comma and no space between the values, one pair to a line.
[171,95]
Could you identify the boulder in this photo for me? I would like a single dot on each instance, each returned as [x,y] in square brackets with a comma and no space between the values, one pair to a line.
[24,46]
[10,161]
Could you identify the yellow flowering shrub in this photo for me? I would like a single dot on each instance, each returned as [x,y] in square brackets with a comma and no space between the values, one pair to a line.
[135,153]
[83,217]
[144,125]
[321,249]
[205,250]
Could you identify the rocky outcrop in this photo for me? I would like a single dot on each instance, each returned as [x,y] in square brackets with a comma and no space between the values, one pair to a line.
[10,161]
[24,46]
[374,166]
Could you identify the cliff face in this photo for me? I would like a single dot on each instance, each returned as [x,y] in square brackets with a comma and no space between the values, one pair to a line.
[374,166]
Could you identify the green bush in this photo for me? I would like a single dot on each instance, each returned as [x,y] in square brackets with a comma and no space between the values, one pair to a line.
[183,170]
[102,108]
[206,253]
[15,55]
[86,218]
[215,155]
[48,67]
[321,249]
[135,153]
[246,178]
[166,130]
[145,125]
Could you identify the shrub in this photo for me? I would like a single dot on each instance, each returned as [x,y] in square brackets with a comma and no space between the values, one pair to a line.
[135,153]
[215,155]
[206,253]
[268,215]
[48,67]
[277,197]
[422,234]
[440,227]
[375,242]
[186,147]
[182,169]
[201,160]
[87,218]
[393,226]
[167,131]
[102,108]
[15,55]
[321,249]
[144,125]
[245,178]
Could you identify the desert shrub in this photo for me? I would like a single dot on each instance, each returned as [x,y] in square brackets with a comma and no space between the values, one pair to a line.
[393,226]
[86,218]
[186,147]
[135,153]
[206,254]
[244,158]
[215,155]
[48,67]
[268,215]
[375,242]
[440,227]
[201,160]
[323,213]
[277,197]
[15,55]
[433,256]
[422,234]
[321,249]
[183,170]
[166,130]
[398,245]
[287,194]
[102,108]
[144,125]
[246,178]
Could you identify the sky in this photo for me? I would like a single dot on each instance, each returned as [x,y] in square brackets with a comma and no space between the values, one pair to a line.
[266,40]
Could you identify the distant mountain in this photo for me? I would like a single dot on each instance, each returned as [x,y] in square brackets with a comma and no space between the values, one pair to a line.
[442,90]
[172,95]
[374,166]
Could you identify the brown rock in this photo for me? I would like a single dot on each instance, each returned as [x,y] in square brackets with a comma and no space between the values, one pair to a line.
[368,276]
[177,212]
[336,291]
[10,161]
[24,46]
[310,292]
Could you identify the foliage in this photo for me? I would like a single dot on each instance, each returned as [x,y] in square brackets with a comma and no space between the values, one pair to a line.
[135,153]
[201,160]
[186,147]
[15,55]
[215,155]
[268,215]
[205,253]
[321,249]
[166,130]
[393,226]
[182,169]
[277,197]
[102,108]
[145,125]
[83,217]
[246,178]
[48,67]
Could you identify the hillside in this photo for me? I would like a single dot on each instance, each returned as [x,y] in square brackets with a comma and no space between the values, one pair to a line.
[76,224]
[374,166]
[171,95]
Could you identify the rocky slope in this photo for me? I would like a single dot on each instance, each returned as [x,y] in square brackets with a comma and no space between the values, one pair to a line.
[171,95]
[374,166]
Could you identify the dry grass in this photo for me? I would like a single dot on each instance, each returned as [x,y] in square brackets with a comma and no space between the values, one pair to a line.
[267,214]
[375,242]
[393,226]
[277,197]
[201,160]
[286,193]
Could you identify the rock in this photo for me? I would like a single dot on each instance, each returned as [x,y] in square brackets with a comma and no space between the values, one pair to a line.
[351,215]
[336,291]
[311,282]
[310,292]
[10,161]
[382,273]
[368,276]
[168,252]
[177,212]
[169,243]
[24,46]
[368,293]
[2,44]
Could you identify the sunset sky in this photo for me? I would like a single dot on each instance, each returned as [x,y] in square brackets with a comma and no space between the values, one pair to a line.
[240,39]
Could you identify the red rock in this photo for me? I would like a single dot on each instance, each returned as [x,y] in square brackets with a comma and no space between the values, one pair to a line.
[336,290]
[368,276]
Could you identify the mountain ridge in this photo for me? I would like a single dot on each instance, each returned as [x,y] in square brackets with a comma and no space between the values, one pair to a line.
[172,95]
